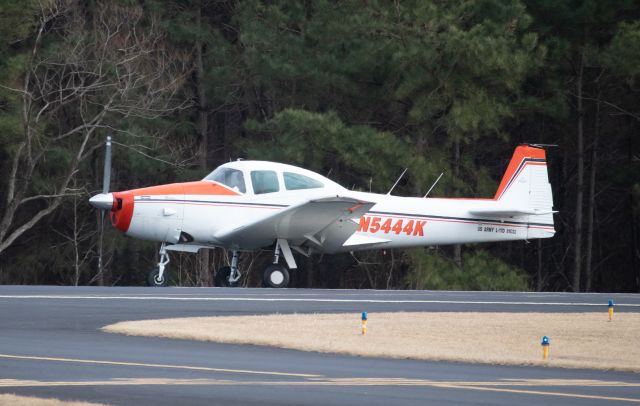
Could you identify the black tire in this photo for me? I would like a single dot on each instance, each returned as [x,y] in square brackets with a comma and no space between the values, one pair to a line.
[275,276]
[221,278]
[152,278]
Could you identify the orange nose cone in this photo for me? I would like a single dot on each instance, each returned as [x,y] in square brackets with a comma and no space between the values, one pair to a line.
[122,210]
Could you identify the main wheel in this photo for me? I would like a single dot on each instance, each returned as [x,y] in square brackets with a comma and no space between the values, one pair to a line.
[275,276]
[154,278]
[221,278]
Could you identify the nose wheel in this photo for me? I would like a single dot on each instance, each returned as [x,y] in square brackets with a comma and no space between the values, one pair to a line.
[159,276]
[156,279]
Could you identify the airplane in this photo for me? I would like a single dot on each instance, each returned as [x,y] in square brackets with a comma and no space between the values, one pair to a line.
[250,205]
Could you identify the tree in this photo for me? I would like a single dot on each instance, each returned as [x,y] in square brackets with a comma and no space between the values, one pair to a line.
[576,34]
[84,70]
[359,91]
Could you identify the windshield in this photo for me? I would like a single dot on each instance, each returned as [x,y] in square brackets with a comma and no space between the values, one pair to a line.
[229,177]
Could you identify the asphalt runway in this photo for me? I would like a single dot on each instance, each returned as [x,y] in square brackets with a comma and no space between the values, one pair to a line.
[50,346]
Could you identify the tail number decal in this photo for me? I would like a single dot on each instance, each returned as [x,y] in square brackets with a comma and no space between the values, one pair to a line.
[377,224]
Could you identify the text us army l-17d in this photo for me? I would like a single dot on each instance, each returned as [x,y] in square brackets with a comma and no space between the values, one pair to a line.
[250,205]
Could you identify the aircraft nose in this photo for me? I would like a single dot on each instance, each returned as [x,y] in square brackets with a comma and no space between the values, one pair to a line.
[102,201]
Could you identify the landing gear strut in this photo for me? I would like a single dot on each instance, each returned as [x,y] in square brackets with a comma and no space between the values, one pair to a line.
[158,276]
[228,276]
[275,275]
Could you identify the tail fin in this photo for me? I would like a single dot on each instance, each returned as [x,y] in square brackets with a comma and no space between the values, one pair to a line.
[525,193]
[528,165]
[526,184]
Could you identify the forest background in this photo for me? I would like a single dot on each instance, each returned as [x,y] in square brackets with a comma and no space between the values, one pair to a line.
[356,90]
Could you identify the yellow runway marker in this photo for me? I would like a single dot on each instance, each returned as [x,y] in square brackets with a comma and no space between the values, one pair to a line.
[140,364]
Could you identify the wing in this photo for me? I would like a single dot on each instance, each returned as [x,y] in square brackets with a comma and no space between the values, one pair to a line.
[322,223]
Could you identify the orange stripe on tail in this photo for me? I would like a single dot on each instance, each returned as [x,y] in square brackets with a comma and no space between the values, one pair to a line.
[523,155]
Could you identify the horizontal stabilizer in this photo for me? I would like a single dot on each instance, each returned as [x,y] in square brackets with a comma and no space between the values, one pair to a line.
[510,212]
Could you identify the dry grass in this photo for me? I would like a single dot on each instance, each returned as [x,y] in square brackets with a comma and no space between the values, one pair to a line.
[15,400]
[581,340]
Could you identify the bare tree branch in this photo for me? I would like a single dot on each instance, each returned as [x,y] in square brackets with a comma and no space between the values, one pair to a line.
[36,197]
[114,69]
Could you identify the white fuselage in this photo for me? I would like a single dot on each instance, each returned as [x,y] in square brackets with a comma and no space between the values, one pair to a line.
[398,222]
[248,205]
[244,198]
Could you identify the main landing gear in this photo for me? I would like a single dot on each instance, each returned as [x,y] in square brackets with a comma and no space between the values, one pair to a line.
[228,276]
[274,276]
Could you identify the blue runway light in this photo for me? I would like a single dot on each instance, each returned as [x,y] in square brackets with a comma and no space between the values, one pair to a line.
[364,323]
[545,347]
[610,309]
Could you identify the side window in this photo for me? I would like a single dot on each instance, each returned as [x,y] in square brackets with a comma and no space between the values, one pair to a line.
[264,182]
[229,177]
[295,181]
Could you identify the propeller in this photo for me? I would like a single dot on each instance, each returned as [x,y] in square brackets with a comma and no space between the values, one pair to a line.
[104,200]
[107,166]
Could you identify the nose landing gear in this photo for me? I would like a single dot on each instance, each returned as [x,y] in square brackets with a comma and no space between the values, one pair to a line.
[158,276]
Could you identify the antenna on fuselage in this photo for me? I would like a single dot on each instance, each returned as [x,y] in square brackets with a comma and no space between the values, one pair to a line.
[432,186]
[395,184]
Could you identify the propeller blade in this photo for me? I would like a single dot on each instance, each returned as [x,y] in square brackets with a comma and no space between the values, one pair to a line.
[107,167]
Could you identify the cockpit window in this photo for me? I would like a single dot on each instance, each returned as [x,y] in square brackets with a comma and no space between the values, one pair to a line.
[229,177]
[264,182]
[295,181]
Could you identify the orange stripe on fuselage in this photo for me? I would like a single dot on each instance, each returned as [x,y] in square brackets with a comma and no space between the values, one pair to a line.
[121,218]
[200,187]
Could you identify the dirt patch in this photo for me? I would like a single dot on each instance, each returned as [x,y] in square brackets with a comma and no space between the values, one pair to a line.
[580,340]
[10,399]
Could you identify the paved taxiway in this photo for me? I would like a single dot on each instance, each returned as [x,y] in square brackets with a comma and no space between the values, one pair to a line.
[50,346]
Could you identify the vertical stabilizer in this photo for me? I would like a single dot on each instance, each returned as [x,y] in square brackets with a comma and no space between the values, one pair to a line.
[526,184]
